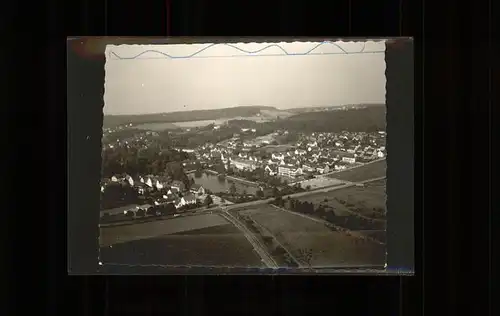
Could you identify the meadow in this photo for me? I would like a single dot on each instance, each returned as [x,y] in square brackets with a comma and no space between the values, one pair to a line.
[313,243]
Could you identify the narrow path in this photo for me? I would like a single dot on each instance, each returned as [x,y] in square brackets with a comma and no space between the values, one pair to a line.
[259,248]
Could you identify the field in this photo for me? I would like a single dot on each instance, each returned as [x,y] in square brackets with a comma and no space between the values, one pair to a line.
[368,201]
[119,234]
[315,244]
[217,246]
[368,171]
[320,182]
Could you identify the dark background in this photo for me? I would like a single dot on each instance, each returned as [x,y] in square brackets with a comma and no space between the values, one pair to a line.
[455,191]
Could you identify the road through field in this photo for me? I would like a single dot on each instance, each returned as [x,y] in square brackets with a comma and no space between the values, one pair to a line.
[116,234]
[259,248]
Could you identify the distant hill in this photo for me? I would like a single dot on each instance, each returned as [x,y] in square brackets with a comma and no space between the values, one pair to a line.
[185,116]
[356,119]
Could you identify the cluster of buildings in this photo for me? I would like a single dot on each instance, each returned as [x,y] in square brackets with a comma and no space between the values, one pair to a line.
[317,153]
[311,154]
[174,192]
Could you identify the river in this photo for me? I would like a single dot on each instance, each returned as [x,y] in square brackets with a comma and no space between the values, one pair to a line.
[214,184]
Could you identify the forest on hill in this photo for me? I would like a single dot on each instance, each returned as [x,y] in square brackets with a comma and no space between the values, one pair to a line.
[367,119]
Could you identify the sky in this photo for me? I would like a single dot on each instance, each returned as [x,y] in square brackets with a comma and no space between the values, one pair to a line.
[222,76]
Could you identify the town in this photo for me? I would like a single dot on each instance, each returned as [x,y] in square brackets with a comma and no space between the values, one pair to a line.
[147,177]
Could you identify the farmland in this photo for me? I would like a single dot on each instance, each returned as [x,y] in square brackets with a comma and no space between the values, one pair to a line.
[119,234]
[359,209]
[368,201]
[313,243]
[368,171]
[217,246]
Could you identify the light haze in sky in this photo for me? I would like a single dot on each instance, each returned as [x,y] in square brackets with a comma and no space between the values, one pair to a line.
[222,76]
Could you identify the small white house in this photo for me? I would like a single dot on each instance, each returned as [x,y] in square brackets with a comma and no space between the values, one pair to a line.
[197,189]
[271,170]
[349,159]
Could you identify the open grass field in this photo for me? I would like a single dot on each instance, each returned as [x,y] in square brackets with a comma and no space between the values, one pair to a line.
[119,234]
[327,248]
[369,171]
[217,246]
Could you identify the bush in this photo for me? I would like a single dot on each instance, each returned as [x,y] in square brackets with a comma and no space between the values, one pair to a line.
[267,239]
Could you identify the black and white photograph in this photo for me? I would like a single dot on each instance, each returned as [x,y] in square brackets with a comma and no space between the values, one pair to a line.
[245,155]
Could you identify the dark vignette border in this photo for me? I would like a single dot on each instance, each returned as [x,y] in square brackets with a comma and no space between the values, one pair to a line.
[85,89]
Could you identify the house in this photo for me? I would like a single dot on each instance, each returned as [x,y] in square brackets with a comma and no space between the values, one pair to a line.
[178,203]
[380,154]
[271,170]
[340,167]
[289,171]
[197,189]
[143,207]
[161,202]
[307,168]
[277,157]
[161,182]
[140,187]
[349,159]
[324,169]
[173,191]
[188,199]
[179,185]
[312,144]
[241,164]
[169,197]
[129,179]
[148,180]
